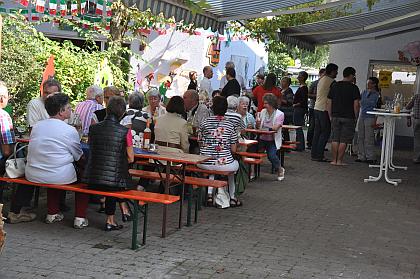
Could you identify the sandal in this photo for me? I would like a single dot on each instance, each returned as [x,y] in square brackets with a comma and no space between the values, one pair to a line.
[235,203]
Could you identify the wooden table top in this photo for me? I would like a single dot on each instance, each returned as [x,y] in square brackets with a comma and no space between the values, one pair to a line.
[247,142]
[260,132]
[22,140]
[174,157]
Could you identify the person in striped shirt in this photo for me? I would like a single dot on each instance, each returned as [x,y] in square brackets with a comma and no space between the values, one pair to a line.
[85,109]
[218,138]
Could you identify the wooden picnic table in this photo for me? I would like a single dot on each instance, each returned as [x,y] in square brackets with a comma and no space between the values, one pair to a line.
[179,172]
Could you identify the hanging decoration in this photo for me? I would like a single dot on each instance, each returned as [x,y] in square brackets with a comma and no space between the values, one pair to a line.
[213,52]
[410,53]
[104,76]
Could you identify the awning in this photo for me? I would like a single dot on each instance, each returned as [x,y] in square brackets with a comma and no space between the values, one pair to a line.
[389,20]
[220,10]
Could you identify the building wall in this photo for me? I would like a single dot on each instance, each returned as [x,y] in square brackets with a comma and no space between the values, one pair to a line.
[357,54]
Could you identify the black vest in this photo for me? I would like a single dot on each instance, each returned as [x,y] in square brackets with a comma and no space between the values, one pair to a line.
[107,167]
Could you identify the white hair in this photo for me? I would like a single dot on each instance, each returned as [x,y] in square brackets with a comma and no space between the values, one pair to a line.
[153,93]
[232,102]
[3,89]
[230,64]
[243,99]
[94,91]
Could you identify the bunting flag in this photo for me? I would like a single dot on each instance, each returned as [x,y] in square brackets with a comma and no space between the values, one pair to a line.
[108,7]
[83,6]
[74,9]
[24,2]
[63,7]
[52,7]
[40,6]
[48,72]
[34,15]
[99,7]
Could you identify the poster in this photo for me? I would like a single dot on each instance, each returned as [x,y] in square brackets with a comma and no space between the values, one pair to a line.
[385,78]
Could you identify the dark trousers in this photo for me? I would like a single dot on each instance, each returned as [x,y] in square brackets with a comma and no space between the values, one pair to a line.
[288,119]
[299,120]
[321,134]
[311,127]
[22,197]
[111,205]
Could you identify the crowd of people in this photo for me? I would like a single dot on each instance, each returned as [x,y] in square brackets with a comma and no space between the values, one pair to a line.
[210,126]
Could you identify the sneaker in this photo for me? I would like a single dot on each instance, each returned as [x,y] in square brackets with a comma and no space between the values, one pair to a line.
[23,216]
[80,223]
[54,218]
[282,171]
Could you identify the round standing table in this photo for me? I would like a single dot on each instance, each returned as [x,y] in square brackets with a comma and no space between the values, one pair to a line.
[387,150]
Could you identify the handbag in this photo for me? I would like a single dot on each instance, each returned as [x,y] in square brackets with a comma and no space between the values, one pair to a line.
[15,167]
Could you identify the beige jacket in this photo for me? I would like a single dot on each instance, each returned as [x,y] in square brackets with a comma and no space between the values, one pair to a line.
[172,128]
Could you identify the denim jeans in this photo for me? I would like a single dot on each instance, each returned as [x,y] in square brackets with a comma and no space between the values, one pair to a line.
[321,134]
[271,149]
[365,139]
[299,120]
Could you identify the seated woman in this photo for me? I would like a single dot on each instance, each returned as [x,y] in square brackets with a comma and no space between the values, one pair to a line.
[271,119]
[171,128]
[218,138]
[111,151]
[53,148]
[135,105]
[243,109]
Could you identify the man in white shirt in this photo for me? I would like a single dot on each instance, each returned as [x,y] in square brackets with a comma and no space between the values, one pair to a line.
[238,77]
[36,108]
[205,84]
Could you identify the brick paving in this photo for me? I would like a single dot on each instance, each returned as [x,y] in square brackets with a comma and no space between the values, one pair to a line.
[320,222]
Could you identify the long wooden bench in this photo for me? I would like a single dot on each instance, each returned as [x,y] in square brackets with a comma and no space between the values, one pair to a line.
[190,168]
[195,182]
[132,195]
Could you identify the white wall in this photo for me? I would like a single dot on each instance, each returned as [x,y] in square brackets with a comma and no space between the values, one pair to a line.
[163,50]
[357,54]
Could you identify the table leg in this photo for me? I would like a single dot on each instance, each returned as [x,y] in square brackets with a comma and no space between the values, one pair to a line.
[382,163]
[182,196]
[391,162]
[165,207]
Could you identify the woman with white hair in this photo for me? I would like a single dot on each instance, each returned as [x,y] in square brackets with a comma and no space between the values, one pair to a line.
[232,116]
[243,107]
[155,108]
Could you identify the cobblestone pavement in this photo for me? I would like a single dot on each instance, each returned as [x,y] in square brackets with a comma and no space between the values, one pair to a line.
[320,222]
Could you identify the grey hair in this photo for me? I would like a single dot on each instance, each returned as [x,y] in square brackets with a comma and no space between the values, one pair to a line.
[233,102]
[3,89]
[271,99]
[243,99]
[230,64]
[94,91]
[153,93]
[136,100]
[194,94]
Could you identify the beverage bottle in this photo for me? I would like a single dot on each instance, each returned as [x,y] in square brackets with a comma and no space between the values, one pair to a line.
[147,135]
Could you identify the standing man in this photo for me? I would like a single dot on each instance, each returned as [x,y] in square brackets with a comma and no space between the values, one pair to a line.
[322,121]
[85,109]
[232,87]
[343,107]
[414,104]
[36,109]
[311,105]
[205,84]
[7,141]
[239,78]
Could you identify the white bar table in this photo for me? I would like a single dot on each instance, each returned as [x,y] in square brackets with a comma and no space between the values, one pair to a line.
[387,151]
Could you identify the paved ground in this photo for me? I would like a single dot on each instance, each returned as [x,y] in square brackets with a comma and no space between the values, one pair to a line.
[320,222]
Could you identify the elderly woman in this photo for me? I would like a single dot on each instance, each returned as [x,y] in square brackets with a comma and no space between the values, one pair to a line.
[218,138]
[300,108]
[287,104]
[171,128]
[135,105]
[271,119]
[111,151]
[155,108]
[232,114]
[53,148]
[243,107]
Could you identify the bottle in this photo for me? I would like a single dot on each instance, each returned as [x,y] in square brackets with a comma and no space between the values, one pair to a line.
[147,135]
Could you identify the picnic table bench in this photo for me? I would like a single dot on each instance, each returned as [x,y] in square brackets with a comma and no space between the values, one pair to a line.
[133,195]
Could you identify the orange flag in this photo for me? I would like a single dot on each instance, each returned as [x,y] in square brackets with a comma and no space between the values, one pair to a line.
[48,72]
